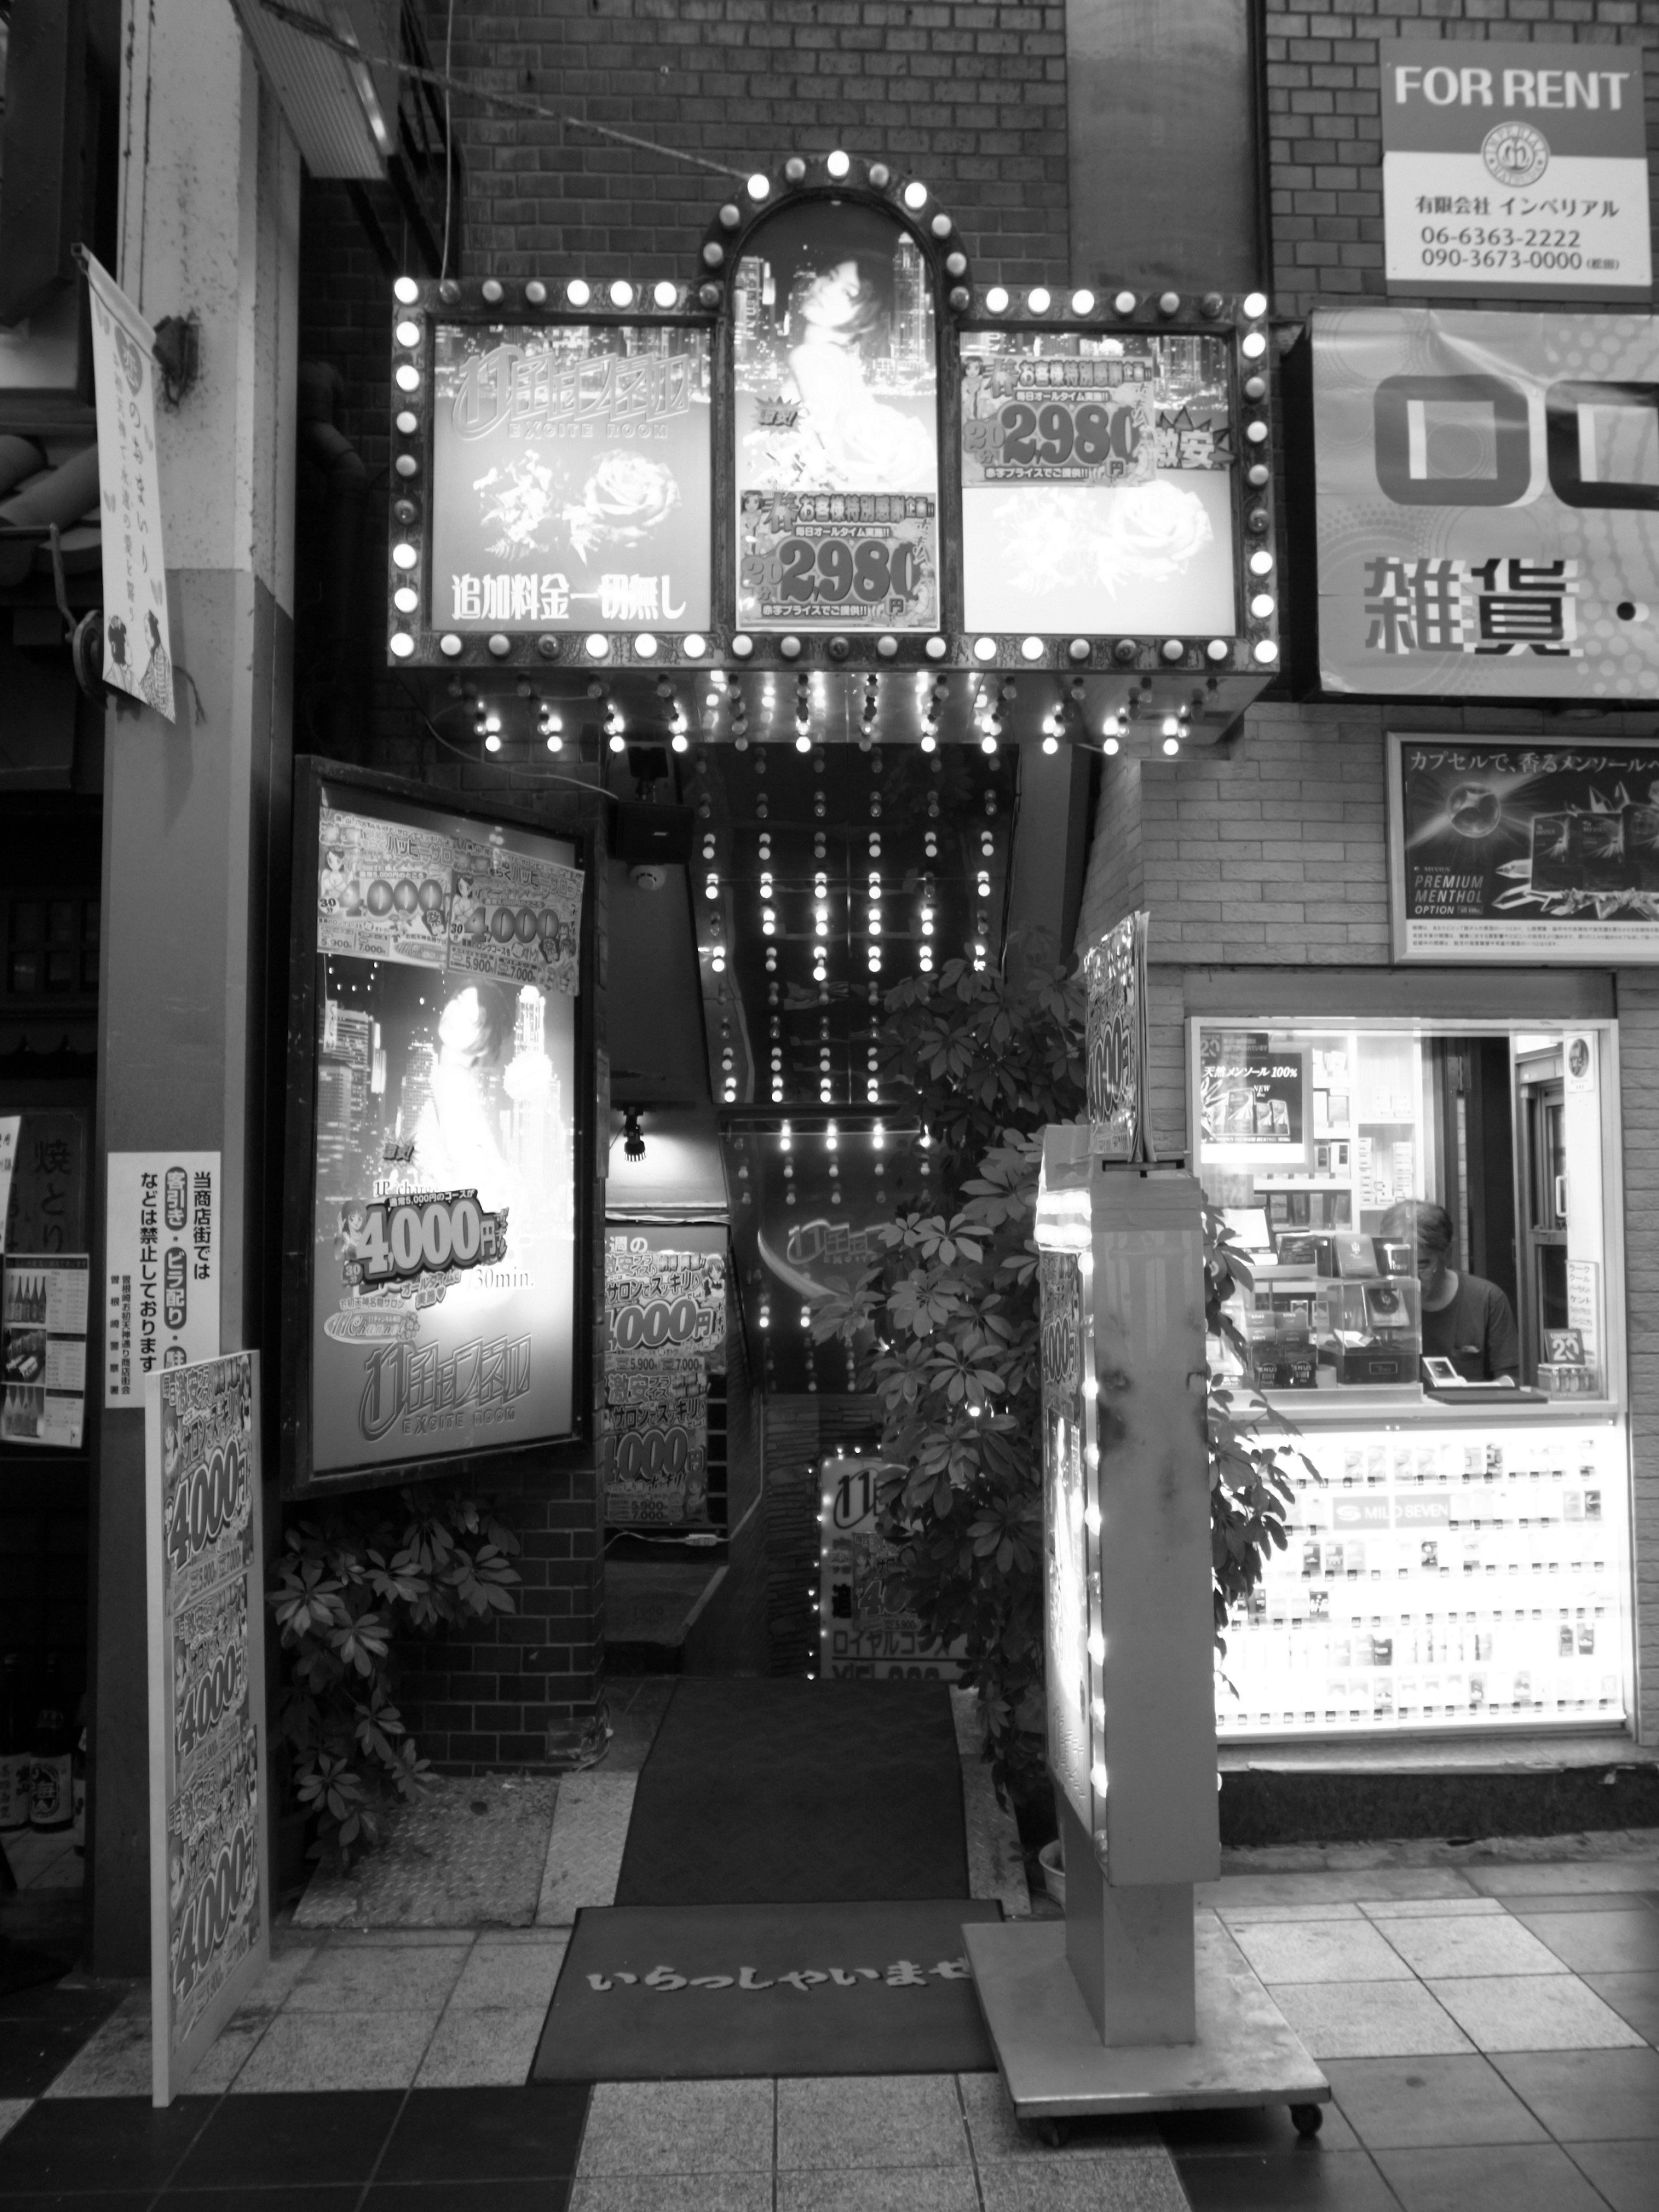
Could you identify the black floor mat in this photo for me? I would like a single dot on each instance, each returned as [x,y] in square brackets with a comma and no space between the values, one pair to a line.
[763,1792]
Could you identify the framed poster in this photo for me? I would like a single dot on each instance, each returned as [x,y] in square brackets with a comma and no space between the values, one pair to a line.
[665,1335]
[863,1635]
[1487,484]
[43,1325]
[1514,173]
[1097,482]
[836,408]
[439,1134]
[1115,1033]
[1533,851]
[209,1860]
[570,476]
[1253,1100]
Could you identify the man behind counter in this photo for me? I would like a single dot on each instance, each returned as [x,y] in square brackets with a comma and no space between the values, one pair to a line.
[1466,1319]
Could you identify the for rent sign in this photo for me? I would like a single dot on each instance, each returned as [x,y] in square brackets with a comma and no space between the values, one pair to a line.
[1516,171]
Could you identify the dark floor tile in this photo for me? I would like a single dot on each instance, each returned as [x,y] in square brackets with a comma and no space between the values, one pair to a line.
[1587,2096]
[33,2052]
[98,2142]
[1598,1943]
[305,2196]
[1246,2128]
[1515,2178]
[545,2195]
[1626,2174]
[486,2134]
[69,2003]
[1344,2181]
[95,2200]
[306,2138]
[1395,2104]
[1634,1997]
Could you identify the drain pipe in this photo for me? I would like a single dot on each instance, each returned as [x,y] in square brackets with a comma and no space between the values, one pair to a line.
[335,681]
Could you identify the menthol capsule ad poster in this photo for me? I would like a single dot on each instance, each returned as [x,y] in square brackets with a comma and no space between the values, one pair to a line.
[209,1875]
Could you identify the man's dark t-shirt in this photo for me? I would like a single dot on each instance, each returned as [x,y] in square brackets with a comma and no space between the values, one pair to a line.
[1476,1332]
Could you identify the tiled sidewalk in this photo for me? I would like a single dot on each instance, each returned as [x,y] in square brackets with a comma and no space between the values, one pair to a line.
[1489,2033]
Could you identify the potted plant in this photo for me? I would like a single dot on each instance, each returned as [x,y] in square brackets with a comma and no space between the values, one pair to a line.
[353,1576]
[948,1324]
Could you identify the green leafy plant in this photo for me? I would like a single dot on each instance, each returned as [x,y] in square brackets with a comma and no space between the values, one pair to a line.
[947,1326]
[351,1580]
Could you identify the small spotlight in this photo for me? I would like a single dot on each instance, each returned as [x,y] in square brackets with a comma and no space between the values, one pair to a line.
[1110,748]
[996,301]
[758,186]
[679,741]
[1039,300]
[1172,746]
[579,291]
[929,742]
[633,1141]
[1051,743]
[492,741]
[838,163]
[618,743]
[916,195]
[664,292]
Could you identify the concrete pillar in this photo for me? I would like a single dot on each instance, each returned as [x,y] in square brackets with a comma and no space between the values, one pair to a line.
[194,812]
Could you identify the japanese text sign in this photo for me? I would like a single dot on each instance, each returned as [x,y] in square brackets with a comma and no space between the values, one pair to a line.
[138,643]
[1515,170]
[1524,850]
[161,1267]
[570,478]
[210,1876]
[1486,486]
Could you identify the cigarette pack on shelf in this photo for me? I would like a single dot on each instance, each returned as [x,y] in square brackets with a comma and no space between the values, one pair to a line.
[1437,1580]
[1279,1330]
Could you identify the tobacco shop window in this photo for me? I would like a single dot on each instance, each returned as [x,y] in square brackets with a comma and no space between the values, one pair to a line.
[1422,1210]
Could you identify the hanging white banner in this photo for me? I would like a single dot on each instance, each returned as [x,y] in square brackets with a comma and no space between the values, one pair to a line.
[137,647]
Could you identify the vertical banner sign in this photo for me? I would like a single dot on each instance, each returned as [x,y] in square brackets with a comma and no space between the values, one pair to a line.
[138,643]
[208,1868]
[443,1267]
[10,1128]
[836,397]
[1064,1557]
[161,1267]
[1536,850]
[1097,481]
[865,1632]
[1516,171]
[570,478]
[1115,1039]
[1488,485]
[43,1317]
[664,1334]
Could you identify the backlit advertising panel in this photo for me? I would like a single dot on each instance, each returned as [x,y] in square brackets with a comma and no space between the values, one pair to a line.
[570,468]
[443,1234]
[1487,488]
[835,402]
[1072,1671]
[1097,481]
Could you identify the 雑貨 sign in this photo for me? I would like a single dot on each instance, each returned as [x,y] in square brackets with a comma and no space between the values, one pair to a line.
[1487,488]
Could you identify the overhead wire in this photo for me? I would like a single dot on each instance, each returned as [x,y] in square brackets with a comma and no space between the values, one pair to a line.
[516,103]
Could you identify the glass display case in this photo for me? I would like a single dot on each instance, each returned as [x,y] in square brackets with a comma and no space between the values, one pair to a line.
[1428,1236]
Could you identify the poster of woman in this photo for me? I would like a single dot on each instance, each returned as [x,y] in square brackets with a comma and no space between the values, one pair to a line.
[836,422]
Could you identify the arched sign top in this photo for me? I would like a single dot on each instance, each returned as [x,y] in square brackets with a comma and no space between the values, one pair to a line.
[863,198]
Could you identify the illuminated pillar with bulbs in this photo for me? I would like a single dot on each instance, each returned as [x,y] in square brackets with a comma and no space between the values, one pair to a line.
[1127,1556]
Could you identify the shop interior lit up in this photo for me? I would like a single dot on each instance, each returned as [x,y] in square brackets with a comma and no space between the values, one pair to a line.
[1428,1221]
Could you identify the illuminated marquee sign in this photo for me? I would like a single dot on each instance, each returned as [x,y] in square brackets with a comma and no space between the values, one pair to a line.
[831,449]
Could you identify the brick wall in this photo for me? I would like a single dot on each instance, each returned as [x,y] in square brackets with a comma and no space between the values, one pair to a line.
[970,95]
[1324,126]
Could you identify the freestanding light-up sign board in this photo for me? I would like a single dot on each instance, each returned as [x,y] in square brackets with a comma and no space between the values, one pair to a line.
[1121,2008]
[828,450]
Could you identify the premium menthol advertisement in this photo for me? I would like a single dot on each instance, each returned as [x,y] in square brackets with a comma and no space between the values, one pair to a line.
[443,1270]
[1532,850]
[835,396]
[1097,483]
[570,470]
